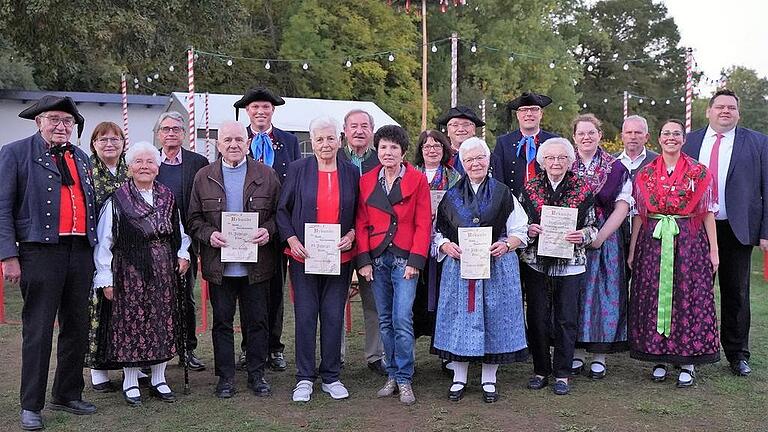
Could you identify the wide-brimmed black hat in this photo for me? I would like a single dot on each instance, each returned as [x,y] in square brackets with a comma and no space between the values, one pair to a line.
[460,111]
[530,99]
[257,94]
[55,103]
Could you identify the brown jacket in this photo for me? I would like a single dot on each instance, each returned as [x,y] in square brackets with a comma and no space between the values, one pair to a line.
[261,192]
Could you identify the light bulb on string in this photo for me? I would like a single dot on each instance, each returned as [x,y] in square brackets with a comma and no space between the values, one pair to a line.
[171,68]
[653,102]
[494,105]
[682,98]
[615,56]
[552,64]
[136,86]
[156,76]
[629,96]
[267,66]
[640,101]
[626,66]
[135,80]
[348,63]
[667,102]
[661,62]
[434,48]
[560,108]
[149,79]
[590,68]
[474,47]
[584,105]
[511,57]
[229,62]
[391,57]
[605,100]
[305,66]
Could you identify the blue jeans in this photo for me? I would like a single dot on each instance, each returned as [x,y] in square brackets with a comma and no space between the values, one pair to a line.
[394,301]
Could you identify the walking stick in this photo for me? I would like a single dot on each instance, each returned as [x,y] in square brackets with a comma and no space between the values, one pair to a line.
[181,306]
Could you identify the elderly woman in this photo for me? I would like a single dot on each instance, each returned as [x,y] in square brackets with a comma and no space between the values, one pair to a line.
[433,155]
[142,250]
[480,320]
[319,190]
[393,226]
[603,299]
[552,284]
[673,252]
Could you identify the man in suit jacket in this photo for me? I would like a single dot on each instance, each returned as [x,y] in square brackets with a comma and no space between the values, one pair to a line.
[742,219]
[177,171]
[460,123]
[634,135]
[514,157]
[277,149]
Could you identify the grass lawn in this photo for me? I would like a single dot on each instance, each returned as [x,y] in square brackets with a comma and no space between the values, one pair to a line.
[626,400]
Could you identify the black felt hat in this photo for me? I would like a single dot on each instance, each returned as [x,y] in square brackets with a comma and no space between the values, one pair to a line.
[460,111]
[55,103]
[257,94]
[530,99]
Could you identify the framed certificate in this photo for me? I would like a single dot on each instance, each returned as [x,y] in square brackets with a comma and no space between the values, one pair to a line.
[556,222]
[321,242]
[238,228]
[475,245]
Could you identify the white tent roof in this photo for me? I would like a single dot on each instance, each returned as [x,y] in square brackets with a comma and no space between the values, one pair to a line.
[294,116]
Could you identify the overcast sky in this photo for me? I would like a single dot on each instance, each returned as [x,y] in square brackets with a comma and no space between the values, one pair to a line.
[723,33]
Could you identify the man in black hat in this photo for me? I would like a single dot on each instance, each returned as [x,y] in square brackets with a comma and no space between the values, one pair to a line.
[277,149]
[514,160]
[47,207]
[460,123]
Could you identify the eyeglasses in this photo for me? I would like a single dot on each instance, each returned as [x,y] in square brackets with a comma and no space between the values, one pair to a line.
[551,159]
[428,147]
[107,140]
[478,159]
[167,129]
[464,125]
[68,121]
[530,109]
[676,134]
[592,133]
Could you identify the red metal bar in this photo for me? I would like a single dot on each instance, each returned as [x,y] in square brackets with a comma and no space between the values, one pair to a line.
[765,266]
[348,316]
[204,300]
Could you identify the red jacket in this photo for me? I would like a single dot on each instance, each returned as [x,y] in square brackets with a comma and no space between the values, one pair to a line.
[400,221]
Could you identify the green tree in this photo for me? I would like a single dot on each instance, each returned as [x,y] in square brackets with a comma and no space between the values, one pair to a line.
[753,97]
[15,73]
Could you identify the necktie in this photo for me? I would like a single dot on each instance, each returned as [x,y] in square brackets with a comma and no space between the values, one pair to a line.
[714,159]
[530,155]
[261,147]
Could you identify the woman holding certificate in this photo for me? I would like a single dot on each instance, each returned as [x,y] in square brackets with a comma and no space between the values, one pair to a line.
[316,217]
[562,216]
[480,309]
[433,154]
[393,227]
[672,315]
[603,299]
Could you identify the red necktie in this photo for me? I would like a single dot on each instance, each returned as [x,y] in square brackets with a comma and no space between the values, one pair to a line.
[714,158]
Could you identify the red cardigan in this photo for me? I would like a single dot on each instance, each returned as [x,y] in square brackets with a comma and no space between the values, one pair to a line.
[400,221]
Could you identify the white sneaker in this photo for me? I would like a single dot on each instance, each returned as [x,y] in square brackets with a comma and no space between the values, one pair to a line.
[303,391]
[336,389]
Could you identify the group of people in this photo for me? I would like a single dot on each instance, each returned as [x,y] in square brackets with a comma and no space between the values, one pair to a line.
[110,245]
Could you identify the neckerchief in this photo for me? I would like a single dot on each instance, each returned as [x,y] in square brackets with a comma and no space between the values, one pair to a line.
[261,147]
[59,152]
[686,192]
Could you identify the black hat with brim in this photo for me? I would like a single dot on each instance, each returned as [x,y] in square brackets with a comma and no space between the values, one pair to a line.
[530,99]
[460,111]
[55,103]
[257,94]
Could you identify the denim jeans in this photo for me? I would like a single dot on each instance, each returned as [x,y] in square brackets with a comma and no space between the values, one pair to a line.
[394,301]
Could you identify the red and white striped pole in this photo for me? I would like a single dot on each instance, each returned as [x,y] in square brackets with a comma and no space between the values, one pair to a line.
[191,96]
[124,91]
[454,69]
[626,104]
[207,129]
[688,88]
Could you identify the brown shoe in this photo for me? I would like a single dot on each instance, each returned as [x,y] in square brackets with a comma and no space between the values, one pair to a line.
[389,389]
[406,394]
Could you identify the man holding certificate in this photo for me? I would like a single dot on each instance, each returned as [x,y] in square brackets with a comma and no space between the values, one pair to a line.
[232,214]
[561,210]
[317,206]
[480,309]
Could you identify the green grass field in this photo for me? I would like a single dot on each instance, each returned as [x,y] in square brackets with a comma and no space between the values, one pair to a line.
[626,400]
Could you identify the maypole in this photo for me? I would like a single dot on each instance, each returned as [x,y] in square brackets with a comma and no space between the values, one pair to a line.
[688,88]
[191,95]
[124,93]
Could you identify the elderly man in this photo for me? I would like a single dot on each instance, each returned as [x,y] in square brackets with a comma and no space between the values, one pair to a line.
[275,148]
[515,152]
[634,135]
[47,234]
[742,219]
[460,123]
[236,183]
[358,130]
[177,171]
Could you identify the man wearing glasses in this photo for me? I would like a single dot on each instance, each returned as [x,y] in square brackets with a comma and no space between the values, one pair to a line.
[460,124]
[47,234]
[514,160]
[177,171]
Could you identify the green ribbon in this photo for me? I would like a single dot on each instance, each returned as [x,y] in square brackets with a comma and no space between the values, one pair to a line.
[666,230]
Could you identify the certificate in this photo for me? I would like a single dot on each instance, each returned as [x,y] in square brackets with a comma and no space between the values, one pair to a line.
[475,245]
[437,196]
[238,228]
[321,242]
[556,222]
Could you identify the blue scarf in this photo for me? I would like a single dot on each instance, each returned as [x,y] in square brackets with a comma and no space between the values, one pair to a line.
[530,144]
[261,147]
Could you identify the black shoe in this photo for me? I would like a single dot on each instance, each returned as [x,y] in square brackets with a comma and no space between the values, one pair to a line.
[660,378]
[260,387]
[597,375]
[31,420]
[690,382]
[165,397]
[575,371]
[225,389]
[242,362]
[490,397]
[277,362]
[105,387]
[455,396]
[537,382]
[561,388]
[78,407]
[378,367]
[132,401]
[741,368]
[194,363]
